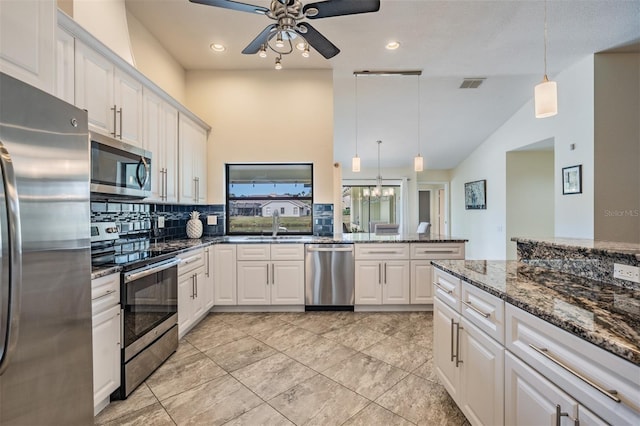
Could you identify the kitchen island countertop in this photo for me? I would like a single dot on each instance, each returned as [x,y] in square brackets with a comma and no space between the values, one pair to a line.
[603,314]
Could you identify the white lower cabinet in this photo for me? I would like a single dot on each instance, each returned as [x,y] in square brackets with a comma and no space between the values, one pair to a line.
[468,362]
[532,399]
[105,309]
[421,282]
[263,280]
[192,290]
[382,274]
[224,275]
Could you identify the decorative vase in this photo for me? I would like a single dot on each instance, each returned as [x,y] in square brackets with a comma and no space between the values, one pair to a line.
[194,226]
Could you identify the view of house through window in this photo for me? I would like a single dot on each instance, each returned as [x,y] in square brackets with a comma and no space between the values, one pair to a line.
[259,196]
[363,207]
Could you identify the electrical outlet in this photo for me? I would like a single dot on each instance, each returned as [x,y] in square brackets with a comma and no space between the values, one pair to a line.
[626,272]
[160,222]
[212,220]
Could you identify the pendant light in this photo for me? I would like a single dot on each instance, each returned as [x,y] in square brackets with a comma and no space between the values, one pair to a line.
[355,161]
[418,161]
[546,93]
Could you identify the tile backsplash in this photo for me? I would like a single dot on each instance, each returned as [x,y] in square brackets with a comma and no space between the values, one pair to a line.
[323,220]
[138,218]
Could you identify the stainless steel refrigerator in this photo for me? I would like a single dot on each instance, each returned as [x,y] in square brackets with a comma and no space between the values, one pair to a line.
[45,283]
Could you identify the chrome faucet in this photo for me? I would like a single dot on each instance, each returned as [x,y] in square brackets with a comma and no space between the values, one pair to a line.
[275,226]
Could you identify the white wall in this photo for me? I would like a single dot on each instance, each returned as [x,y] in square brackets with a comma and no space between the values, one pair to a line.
[153,60]
[266,116]
[107,21]
[617,147]
[530,196]
[485,229]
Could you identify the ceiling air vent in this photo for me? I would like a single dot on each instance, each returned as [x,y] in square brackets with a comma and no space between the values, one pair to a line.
[472,83]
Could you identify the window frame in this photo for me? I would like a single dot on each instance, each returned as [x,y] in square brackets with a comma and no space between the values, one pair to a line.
[228,199]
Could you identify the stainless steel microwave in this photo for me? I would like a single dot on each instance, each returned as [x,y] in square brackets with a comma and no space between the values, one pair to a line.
[119,170]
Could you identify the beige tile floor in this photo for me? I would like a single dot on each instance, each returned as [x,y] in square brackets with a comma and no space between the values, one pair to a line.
[325,368]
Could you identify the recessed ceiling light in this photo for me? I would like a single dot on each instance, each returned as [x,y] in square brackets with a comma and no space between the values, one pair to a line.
[392,45]
[216,47]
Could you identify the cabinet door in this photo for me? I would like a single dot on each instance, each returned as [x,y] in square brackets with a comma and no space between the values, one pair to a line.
[186,294]
[207,290]
[421,282]
[192,142]
[396,282]
[65,66]
[368,282]
[445,346]
[530,399]
[169,120]
[481,376]
[200,296]
[287,279]
[224,274]
[153,131]
[254,283]
[128,98]
[94,88]
[27,37]
[106,353]
[588,418]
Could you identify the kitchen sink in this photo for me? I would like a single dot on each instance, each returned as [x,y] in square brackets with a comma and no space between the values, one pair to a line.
[267,238]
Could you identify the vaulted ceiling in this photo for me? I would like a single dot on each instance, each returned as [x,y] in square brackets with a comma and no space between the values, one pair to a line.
[499,40]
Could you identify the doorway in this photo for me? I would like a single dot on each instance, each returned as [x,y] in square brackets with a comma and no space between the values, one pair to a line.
[432,206]
[530,197]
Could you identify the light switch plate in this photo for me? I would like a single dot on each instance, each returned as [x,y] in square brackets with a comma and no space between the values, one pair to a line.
[626,272]
[212,220]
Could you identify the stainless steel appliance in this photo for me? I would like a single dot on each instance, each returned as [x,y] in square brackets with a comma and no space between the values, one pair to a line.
[149,299]
[329,277]
[149,320]
[119,170]
[46,372]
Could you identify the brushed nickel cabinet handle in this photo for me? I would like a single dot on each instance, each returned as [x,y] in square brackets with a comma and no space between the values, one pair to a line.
[443,289]
[458,328]
[560,414]
[114,109]
[452,356]
[608,393]
[473,308]
[379,273]
[120,135]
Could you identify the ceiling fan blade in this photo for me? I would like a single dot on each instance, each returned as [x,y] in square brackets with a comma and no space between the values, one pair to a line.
[317,40]
[233,5]
[330,8]
[257,42]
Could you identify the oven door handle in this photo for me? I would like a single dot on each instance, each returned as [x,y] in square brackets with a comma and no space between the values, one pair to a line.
[151,269]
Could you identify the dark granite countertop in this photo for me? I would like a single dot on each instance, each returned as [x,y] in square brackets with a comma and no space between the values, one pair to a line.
[603,314]
[586,245]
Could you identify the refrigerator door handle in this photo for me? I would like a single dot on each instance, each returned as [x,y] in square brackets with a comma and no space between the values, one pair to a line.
[15,258]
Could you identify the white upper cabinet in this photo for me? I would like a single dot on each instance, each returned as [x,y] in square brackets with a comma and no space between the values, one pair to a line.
[192,143]
[112,98]
[161,139]
[27,41]
[65,66]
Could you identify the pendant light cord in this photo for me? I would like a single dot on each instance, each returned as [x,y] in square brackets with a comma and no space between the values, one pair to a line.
[356,115]
[545,39]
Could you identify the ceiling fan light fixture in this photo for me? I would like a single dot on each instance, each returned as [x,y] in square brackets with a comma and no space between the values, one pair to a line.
[305,52]
[263,51]
[217,47]
[279,40]
[301,45]
[278,64]
[393,45]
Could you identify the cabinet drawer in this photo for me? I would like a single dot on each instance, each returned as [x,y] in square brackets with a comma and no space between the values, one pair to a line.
[447,288]
[483,310]
[576,366]
[105,293]
[382,251]
[437,251]
[254,251]
[190,261]
[287,251]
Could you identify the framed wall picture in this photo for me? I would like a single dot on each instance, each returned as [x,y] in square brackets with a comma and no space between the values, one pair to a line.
[572,180]
[475,195]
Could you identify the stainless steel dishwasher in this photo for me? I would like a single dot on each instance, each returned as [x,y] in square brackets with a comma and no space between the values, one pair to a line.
[329,277]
